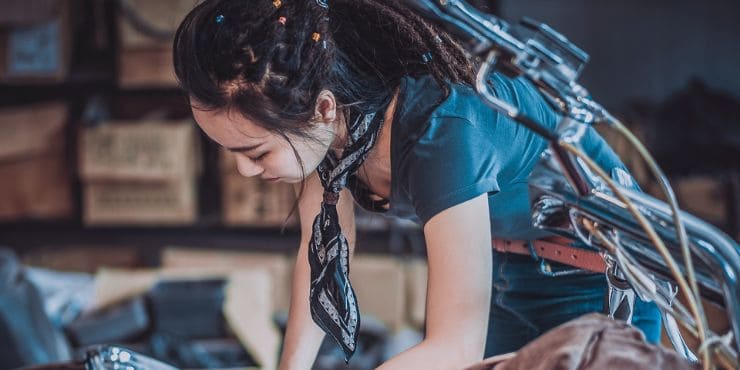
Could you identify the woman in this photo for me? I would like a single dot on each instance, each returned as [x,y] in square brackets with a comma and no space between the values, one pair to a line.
[363,99]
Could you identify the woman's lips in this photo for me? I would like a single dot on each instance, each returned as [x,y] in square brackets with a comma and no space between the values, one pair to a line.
[274,179]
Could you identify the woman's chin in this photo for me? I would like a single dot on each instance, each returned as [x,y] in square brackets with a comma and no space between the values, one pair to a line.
[289,180]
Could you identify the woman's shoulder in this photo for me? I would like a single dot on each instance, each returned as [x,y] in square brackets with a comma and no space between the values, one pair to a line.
[423,98]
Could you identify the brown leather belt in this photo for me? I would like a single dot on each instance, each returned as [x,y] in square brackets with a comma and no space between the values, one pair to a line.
[553,249]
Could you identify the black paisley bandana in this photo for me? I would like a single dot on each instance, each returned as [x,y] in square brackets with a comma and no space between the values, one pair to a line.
[333,303]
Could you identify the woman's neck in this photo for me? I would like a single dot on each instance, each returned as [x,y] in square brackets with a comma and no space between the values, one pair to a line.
[375,172]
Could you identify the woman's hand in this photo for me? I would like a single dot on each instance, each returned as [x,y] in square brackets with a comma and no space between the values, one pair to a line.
[458,292]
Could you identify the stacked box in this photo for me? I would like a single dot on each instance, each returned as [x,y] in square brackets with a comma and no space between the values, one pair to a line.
[705,197]
[254,202]
[140,173]
[146,29]
[35,41]
[278,266]
[36,181]
[380,285]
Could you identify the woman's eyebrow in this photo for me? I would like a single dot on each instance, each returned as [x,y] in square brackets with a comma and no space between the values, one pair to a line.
[242,149]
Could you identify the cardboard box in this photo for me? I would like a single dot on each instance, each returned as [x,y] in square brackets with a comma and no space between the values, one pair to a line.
[146,68]
[145,59]
[38,188]
[35,48]
[705,197]
[162,15]
[27,11]
[31,131]
[416,283]
[253,202]
[380,285]
[248,308]
[147,203]
[227,162]
[140,173]
[33,164]
[88,258]
[139,150]
[278,266]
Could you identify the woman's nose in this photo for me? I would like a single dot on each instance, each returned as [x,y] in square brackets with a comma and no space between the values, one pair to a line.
[247,167]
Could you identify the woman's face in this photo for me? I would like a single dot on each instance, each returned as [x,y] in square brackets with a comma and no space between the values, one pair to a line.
[262,153]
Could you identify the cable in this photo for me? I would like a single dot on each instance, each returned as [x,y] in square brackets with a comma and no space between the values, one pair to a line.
[660,246]
[660,177]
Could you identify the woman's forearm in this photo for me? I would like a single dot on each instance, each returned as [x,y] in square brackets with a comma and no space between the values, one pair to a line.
[430,355]
[302,337]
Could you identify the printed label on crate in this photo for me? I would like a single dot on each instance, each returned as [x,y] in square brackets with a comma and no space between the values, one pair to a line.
[140,203]
[143,151]
[34,50]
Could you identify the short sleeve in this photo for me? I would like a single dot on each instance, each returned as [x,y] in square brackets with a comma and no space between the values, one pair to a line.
[452,161]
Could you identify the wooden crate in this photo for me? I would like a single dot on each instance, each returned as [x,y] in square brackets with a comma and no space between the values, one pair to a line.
[139,150]
[147,203]
[416,282]
[36,180]
[380,285]
[145,61]
[705,197]
[164,15]
[146,68]
[36,48]
[253,202]
[277,265]
[84,258]
[38,188]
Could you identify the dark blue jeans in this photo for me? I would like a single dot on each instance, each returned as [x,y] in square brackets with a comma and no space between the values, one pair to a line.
[525,303]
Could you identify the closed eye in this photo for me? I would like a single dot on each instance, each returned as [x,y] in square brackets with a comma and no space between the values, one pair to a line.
[261,156]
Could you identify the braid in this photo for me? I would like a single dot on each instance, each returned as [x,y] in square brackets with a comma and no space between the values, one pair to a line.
[452,64]
[410,37]
[270,59]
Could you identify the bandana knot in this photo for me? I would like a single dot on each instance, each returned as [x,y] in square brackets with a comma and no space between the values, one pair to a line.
[332,299]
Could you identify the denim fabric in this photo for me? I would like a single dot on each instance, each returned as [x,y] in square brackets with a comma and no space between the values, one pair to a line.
[526,303]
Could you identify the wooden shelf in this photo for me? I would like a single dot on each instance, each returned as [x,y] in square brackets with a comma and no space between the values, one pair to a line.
[27,236]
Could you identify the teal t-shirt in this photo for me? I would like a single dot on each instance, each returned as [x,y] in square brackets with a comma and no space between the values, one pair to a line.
[446,150]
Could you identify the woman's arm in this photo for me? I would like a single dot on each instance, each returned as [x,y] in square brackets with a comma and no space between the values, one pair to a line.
[303,337]
[458,291]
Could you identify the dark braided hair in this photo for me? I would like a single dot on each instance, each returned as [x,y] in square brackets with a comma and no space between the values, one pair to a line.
[236,54]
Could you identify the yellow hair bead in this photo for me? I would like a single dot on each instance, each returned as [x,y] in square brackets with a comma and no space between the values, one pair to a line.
[277,3]
[316,37]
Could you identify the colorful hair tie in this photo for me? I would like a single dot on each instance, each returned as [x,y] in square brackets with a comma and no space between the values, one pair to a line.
[282,20]
[427,57]
[323,3]
[277,4]
[219,19]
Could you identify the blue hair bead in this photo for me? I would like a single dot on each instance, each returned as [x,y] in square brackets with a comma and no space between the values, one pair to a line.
[427,57]
[220,19]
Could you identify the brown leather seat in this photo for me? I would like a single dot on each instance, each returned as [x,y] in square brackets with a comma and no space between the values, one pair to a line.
[591,342]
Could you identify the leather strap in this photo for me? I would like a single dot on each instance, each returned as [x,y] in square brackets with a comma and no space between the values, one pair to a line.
[553,249]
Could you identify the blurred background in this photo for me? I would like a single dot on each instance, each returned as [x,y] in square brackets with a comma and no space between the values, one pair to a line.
[121,223]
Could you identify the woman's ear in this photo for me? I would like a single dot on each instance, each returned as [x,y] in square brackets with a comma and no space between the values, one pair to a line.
[326,107]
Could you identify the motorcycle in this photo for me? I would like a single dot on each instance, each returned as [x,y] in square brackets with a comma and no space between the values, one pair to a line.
[651,248]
